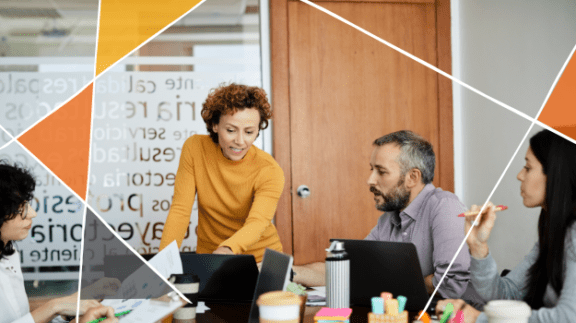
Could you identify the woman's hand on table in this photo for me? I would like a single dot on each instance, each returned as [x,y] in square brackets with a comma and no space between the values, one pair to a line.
[67,305]
[478,238]
[99,312]
[470,313]
[223,251]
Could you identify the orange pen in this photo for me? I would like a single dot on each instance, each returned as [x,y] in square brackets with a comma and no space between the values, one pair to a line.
[469,213]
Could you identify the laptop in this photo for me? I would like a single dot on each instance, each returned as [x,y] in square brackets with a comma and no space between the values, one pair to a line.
[274,276]
[219,275]
[223,278]
[378,266]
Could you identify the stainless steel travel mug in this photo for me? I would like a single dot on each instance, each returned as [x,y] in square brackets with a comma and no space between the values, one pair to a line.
[337,276]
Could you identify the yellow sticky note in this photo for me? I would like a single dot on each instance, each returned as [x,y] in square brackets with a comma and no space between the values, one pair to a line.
[392,307]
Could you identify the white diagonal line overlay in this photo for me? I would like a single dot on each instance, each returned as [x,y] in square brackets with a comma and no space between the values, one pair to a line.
[502,176]
[523,115]
[14,139]
[83,199]
[434,68]
[90,155]
[103,222]
[9,134]
[93,81]
[88,170]
[477,218]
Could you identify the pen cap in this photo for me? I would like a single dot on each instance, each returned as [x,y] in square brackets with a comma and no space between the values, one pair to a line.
[425,317]
[459,318]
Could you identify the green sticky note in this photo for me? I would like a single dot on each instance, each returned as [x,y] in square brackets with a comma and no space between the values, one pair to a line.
[401,303]
[447,312]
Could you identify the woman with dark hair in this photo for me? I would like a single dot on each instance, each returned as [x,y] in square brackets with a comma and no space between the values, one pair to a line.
[16,214]
[546,278]
[238,185]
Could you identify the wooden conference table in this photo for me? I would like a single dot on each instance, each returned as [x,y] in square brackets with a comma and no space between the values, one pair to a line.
[240,313]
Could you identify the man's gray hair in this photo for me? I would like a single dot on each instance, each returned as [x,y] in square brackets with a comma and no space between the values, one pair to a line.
[415,152]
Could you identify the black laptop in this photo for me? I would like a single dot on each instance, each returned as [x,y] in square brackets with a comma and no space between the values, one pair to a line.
[274,276]
[223,278]
[380,266]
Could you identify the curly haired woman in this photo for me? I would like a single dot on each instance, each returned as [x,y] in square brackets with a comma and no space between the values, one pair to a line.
[238,185]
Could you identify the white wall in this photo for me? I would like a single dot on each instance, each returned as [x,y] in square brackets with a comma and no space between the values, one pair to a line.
[512,51]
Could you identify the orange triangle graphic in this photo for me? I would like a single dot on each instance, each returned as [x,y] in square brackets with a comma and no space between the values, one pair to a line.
[124,25]
[560,110]
[62,141]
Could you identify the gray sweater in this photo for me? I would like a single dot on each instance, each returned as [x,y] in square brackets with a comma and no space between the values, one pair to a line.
[489,285]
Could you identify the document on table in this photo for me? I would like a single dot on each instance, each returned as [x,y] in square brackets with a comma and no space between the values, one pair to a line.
[167,262]
[121,305]
[316,296]
[150,311]
[136,304]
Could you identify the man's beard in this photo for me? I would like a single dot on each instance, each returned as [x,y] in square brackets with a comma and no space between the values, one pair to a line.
[395,200]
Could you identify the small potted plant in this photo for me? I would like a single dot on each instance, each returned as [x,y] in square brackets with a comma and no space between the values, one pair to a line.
[301,292]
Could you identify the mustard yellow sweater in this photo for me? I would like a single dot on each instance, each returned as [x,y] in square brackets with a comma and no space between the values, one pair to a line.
[236,199]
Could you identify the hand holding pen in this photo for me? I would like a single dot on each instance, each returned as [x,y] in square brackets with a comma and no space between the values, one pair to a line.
[102,314]
[481,226]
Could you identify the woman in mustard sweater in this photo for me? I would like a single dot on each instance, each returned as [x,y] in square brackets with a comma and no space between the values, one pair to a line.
[238,185]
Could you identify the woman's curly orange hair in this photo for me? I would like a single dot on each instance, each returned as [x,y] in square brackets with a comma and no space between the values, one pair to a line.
[231,98]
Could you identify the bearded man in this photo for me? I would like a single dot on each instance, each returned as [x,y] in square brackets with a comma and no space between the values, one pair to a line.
[401,173]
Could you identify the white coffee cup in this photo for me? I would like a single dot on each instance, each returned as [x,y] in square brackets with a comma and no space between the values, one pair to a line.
[279,307]
[188,285]
[507,311]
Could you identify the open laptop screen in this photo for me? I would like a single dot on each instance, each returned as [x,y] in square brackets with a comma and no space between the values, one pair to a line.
[223,278]
[274,276]
[378,266]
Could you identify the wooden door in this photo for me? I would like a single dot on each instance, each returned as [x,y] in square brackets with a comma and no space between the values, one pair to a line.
[344,90]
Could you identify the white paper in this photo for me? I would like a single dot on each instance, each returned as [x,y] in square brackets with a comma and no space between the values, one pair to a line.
[201,308]
[132,304]
[168,261]
[122,305]
[150,311]
[319,291]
